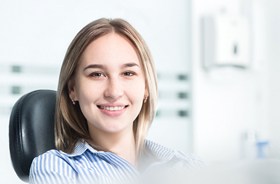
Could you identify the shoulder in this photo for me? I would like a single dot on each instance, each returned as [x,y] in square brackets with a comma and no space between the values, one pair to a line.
[168,165]
[189,160]
[49,166]
[50,158]
[171,156]
[55,166]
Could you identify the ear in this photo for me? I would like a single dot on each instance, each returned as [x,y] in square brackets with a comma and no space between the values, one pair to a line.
[71,90]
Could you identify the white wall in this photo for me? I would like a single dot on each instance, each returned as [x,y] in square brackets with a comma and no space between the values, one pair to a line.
[228,101]
[38,32]
[272,41]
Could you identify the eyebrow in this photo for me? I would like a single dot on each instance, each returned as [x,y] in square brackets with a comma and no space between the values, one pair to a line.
[131,65]
[93,66]
[102,66]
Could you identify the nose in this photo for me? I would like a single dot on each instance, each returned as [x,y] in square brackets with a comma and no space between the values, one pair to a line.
[114,89]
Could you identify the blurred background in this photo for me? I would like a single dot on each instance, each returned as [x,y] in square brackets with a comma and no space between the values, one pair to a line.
[217,63]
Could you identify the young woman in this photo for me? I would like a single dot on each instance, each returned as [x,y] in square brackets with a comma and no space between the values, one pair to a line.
[106,101]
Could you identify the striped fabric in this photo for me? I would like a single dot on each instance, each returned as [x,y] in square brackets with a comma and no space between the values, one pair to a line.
[87,165]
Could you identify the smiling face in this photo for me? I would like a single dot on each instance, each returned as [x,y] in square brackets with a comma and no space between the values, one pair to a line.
[109,85]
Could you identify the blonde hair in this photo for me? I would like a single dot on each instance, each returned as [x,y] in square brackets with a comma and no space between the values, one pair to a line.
[70,123]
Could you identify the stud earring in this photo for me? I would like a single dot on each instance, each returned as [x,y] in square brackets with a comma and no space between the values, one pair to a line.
[145,99]
[73,102]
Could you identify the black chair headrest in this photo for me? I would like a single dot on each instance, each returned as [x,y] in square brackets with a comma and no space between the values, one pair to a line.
[31,129]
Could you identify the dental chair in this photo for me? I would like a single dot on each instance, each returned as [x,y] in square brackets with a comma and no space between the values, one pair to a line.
[31,129]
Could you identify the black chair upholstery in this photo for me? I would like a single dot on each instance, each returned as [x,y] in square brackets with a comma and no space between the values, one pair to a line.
[31,129]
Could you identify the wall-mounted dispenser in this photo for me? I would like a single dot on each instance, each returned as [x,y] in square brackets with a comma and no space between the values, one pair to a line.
[225,41]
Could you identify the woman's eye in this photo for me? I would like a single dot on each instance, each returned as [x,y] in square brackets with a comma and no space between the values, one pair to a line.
[128,73]
[97,74]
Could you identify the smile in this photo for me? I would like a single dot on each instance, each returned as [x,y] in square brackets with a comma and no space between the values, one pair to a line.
[112,108]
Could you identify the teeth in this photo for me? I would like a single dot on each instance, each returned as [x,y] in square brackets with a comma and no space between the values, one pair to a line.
[116,108]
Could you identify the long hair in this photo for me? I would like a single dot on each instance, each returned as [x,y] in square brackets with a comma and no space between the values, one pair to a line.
[70,123]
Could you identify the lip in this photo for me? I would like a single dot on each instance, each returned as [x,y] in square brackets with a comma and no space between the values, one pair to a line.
[112,110]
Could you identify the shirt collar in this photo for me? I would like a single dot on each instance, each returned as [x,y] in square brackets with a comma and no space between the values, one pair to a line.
[151,149]
[80,147]
[157,151]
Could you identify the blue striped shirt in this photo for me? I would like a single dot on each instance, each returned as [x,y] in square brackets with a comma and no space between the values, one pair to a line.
[87,165]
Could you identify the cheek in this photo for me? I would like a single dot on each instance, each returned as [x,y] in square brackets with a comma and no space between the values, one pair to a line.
[86,102]
[137,90]
[87,92]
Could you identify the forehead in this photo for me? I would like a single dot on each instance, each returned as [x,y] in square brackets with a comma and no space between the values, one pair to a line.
[110,49]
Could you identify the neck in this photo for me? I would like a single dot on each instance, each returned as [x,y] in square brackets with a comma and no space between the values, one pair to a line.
[122,144]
